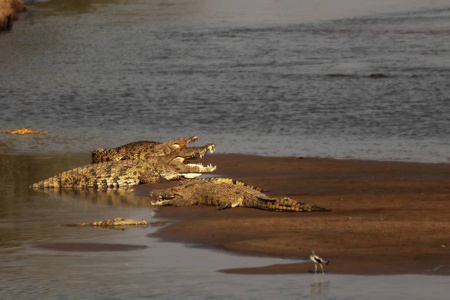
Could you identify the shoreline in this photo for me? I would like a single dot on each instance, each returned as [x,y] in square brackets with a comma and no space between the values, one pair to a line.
[387,217]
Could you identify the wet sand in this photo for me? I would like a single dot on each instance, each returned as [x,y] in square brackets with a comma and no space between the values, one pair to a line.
[386,218]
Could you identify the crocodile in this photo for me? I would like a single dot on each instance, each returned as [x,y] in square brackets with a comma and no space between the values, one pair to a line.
[127,173]
[24,130]
[225,193]
[141,150]
[118,223]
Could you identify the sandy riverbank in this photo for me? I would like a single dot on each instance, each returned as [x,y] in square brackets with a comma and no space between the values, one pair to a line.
[9,10]
[387,217]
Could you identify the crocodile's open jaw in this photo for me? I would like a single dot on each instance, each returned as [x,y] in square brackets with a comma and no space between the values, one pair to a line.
[196,152]
[191,170]
[210,147]
[197,170]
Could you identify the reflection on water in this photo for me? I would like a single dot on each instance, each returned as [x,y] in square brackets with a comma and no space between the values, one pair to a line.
[39,258]
[88,247]
[26,214]
[118,197]
[320,289]
[62,268]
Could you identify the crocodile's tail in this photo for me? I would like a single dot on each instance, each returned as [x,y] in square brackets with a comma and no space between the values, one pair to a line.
[49,183]
[64,179]
[287,204]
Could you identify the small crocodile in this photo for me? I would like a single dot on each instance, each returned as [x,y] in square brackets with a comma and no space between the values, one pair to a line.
[127,173]
[119,223]
[24,130]
[141,150]
[225,193]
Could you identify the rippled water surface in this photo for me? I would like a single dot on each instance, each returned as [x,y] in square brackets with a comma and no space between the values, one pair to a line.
[252,76]
[255,76]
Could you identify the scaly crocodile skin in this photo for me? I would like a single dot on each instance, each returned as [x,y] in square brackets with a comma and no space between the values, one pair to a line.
[126,173]
[24,130]
[140,150]
[226,193]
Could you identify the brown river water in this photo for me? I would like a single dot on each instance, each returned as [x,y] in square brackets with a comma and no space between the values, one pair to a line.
[251,76]
[42,259]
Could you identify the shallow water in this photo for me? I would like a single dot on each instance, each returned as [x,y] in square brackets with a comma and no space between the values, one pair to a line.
[251,77]
[30,219]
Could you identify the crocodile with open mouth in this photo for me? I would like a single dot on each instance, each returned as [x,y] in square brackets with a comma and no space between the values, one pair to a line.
[127,173]
[225,193]
[142,150]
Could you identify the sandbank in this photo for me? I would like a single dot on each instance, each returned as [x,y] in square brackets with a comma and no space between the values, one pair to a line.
[386,218]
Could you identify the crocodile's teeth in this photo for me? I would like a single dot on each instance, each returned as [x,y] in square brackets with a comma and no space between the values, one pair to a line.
[209,168]
[191,175]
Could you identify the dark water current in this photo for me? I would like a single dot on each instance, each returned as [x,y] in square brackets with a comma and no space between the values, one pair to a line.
[252,76]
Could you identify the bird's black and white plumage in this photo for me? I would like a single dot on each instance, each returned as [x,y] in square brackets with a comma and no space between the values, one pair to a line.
[317,260]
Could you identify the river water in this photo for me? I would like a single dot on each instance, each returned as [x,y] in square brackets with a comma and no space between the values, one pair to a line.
[251,76]
[42,259]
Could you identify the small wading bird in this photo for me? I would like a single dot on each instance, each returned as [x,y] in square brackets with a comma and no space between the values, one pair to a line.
[317,261]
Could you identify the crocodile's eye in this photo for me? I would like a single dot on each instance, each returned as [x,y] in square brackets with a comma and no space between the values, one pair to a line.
[177,146]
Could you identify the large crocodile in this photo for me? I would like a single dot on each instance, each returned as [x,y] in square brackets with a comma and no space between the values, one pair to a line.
[126,173]
[141,150]
[225,193]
